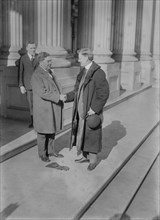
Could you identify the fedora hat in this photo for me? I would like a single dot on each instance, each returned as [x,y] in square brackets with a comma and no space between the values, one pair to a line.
[93,121]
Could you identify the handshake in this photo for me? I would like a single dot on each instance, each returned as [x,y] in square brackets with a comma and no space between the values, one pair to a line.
[63,97]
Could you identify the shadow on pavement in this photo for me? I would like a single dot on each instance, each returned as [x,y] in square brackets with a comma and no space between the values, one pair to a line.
[8,210]
[111,135]
[120,217]
[62,142]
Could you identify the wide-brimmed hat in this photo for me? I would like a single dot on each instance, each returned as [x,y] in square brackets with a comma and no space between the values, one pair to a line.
[93,121]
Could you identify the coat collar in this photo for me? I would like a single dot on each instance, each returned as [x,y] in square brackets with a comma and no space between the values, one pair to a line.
[94,67]
[53,80]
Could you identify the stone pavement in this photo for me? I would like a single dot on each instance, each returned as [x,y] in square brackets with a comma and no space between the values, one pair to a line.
[30,190]
[11,129]
[15,136]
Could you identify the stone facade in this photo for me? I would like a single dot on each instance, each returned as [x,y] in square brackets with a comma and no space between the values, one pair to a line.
[124,36]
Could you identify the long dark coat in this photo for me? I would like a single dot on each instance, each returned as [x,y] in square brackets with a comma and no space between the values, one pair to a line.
[47,108]
[95,95]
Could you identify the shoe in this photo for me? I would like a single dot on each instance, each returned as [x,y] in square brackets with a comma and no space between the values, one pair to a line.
[91,166]
[56,155]
[45,159]
[82,160]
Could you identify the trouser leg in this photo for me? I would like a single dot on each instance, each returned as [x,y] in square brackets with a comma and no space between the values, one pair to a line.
[41,141]
[50,141]
[86,154]
[30,101]
[93,158]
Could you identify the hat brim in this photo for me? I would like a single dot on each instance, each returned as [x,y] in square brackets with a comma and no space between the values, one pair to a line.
[93,121]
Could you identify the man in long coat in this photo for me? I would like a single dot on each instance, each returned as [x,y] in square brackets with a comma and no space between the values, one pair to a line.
[90,95]
[47,106]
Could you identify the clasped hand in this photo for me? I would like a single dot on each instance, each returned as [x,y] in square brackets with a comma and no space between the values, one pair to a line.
[90,112]
[23,90]
[63,97]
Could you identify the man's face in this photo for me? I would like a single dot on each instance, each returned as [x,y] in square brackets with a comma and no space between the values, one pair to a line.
[83,59]
[31,49]
[47,63]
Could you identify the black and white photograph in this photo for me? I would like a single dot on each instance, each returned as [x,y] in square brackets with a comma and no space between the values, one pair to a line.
[79,109]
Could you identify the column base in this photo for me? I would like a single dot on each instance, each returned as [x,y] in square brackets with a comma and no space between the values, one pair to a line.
[103,56]
[130,75]
[60,63]
[113,76]
[144,57]
[103,59]
[9,56]
[59,55]
[54,51]
[146,71]
[124,58]
[156,68]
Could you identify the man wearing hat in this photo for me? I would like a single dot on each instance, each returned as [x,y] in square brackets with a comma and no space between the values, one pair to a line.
[90,95]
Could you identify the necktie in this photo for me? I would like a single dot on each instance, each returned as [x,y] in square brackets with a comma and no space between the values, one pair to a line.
[32,57]
[32,60]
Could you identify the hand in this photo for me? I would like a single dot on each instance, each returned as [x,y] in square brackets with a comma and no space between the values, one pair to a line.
[23,90]
[90,112]
[63,97]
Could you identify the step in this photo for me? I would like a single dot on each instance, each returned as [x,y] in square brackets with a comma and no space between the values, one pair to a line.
[46,193]
[118,194]
[146,203]
[40,192]
[29,140]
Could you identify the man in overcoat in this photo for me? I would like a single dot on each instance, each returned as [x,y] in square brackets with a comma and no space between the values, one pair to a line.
[90,95]
[47,106]
[26,69]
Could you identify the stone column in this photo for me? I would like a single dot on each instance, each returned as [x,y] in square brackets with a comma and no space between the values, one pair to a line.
[94,31]
[12,31]
[124,43]
[0,25]
[85,24]
[53,26]
[94,28]
[102,32]
[156,41]
[144,37]
[29,13]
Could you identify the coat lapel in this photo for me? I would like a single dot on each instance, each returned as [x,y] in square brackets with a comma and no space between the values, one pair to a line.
[52,80]
[90,73]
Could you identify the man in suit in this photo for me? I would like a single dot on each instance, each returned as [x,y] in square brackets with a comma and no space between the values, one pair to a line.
[26,69]
[90,95]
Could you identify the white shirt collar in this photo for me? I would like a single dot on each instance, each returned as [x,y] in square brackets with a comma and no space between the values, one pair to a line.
[30,56]
[88,66]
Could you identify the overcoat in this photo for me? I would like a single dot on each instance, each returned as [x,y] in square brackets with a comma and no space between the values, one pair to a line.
[47,107]
[95,95]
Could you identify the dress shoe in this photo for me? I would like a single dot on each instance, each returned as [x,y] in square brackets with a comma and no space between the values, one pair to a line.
[45,159]
[82,160]
[56,155]
[92,166]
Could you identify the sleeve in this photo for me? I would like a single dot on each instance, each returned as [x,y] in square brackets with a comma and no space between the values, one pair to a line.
[101,93]
[71,95]
[21,73]
[39,88]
